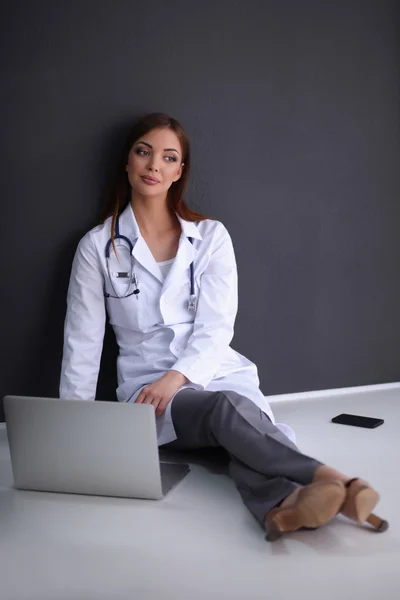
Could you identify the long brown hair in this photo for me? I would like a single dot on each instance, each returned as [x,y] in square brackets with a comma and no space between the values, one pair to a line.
[120,192]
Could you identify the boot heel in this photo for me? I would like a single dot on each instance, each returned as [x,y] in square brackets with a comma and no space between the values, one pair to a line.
[377,523]
[287,520]
[360,501]
[281,521]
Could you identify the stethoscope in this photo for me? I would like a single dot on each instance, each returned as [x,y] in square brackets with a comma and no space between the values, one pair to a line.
[133,280]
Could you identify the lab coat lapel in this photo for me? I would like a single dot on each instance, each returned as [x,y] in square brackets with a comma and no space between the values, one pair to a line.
[141,252]
[185,256]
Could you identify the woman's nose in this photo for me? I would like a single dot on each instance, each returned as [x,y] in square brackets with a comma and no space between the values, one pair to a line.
[153,164]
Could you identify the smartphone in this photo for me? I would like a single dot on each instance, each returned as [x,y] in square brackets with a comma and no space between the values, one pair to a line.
[357,421]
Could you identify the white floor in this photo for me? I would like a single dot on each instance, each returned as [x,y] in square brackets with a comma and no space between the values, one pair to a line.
[200,542]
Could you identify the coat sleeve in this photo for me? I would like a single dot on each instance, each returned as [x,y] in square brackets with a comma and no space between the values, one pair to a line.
[217,306]
[84,325]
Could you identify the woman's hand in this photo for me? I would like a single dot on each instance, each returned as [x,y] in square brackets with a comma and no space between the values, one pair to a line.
[160,392]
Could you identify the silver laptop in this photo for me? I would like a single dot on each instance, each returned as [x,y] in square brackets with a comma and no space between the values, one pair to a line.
[86,447]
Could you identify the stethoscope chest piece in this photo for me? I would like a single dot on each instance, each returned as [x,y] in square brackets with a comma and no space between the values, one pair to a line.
[192,302]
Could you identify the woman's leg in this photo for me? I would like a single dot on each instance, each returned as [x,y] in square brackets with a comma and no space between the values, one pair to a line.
[265,465]
[234,422]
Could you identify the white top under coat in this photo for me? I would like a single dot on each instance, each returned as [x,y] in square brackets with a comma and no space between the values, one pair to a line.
[165,267]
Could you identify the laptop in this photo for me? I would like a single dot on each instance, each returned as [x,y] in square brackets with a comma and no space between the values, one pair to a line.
[87,447]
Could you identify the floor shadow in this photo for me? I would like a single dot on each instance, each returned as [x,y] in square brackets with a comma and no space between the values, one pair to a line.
[215,460]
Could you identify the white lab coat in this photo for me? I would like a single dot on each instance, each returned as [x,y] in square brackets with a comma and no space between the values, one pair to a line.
[156,332]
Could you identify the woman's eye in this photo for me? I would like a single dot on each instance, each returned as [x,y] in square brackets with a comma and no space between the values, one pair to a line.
[142,152]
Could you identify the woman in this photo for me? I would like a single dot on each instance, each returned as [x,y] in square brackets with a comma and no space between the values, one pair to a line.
[167,277]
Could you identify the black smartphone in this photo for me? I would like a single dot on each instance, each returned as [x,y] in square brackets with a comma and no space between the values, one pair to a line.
[357,421]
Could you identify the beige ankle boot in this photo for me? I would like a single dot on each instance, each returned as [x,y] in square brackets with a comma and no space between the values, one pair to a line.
[308,507]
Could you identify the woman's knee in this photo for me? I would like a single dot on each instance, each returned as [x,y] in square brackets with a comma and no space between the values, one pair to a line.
[229,397]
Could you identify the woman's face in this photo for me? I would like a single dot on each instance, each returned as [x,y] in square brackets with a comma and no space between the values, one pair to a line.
[155,162]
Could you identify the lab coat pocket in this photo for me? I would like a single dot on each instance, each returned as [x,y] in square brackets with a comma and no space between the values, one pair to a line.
[128,312]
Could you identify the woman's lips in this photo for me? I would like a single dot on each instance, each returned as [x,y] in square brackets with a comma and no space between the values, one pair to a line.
[150,181]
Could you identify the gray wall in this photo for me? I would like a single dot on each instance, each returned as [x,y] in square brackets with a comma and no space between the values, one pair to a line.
[293,114]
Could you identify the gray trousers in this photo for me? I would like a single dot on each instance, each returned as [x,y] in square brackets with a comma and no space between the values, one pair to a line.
[264,464]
